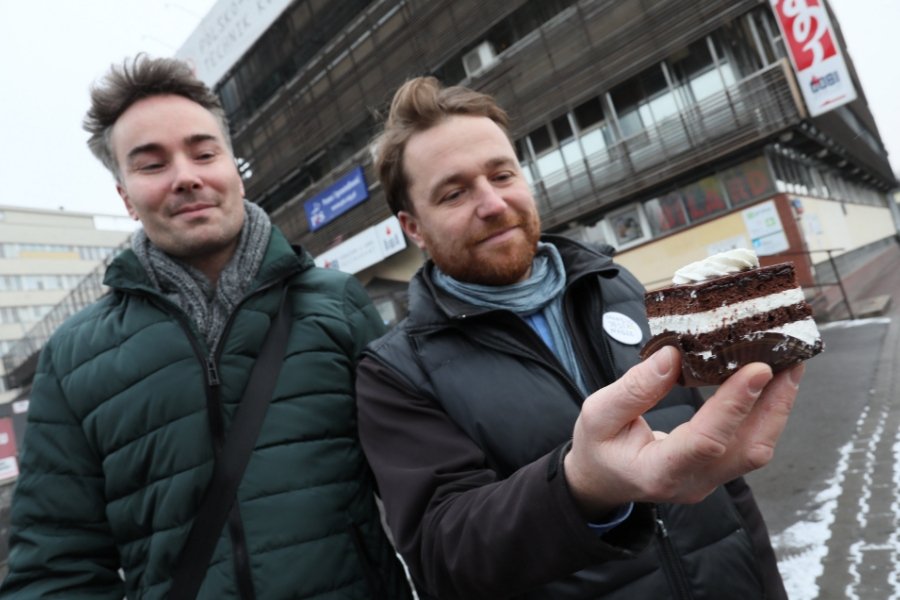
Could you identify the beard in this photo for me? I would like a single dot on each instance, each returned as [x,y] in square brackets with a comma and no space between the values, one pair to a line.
[503,264]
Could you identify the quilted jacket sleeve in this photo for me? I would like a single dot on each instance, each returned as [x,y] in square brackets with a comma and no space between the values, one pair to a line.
[365,322]
[60,543]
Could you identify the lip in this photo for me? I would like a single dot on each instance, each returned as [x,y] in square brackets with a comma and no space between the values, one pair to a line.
[192,208]
[500,236]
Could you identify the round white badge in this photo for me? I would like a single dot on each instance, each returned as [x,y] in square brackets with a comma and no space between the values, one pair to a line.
[622,328]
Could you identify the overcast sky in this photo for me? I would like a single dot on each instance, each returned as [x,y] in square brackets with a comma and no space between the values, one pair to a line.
[51,50]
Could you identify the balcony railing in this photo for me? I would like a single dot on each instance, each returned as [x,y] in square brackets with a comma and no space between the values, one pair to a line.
[747,112]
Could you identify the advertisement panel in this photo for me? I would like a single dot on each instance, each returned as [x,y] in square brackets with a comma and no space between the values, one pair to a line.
[336,199]
[766,231]
[813,48]
[365,249]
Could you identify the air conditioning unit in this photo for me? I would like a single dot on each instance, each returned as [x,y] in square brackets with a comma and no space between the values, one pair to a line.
[479,58]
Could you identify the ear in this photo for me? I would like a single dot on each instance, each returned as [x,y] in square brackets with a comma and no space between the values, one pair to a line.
[410,225]
[123,193]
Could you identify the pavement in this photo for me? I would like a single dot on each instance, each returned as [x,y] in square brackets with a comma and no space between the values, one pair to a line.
[830,496]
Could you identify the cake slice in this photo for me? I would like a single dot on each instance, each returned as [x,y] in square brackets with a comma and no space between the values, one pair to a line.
[726,311]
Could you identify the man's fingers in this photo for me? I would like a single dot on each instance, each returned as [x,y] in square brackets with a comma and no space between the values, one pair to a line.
[712,430]
[610,409]
[769,417]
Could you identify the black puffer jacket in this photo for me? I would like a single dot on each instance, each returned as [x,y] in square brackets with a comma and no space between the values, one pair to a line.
[465,415]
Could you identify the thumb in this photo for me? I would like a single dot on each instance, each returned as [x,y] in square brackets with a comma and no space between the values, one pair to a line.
[610,409]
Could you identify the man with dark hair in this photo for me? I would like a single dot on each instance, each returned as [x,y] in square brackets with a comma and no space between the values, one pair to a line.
[521,447]
[137,400]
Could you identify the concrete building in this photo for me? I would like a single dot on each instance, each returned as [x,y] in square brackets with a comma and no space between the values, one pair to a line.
[667,129]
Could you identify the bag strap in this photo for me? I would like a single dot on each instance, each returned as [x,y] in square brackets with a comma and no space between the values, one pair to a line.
[229,469]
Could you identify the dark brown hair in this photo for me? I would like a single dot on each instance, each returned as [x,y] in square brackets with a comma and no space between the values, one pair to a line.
[134,80]
[419,105]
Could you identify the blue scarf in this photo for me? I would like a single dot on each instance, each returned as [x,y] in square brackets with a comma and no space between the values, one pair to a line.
[538,300]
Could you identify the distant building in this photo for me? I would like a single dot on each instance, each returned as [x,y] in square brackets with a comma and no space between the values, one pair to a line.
[667,129]
[44,257]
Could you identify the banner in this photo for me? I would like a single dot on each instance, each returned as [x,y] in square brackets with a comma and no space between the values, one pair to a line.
[336,199]
[365,249]
[813,48]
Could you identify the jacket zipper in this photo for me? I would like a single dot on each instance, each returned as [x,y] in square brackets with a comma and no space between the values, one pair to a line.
[243,573]
[671,563]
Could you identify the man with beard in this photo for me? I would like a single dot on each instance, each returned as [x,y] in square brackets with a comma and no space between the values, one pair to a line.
[521,448]
[137,399]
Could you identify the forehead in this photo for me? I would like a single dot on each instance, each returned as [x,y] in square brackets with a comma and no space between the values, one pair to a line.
[161,120]
[457,145]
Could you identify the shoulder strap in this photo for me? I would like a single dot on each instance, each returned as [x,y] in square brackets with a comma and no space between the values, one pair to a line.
[229,469]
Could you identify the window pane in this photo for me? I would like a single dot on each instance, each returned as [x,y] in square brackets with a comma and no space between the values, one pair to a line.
[572,153]
[562,129]
[589,113]
[593,142]
[540,140]
[704,198]
[550,163]
[626,226]
[666,213]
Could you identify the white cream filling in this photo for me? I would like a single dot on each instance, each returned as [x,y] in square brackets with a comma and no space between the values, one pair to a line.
[724,316]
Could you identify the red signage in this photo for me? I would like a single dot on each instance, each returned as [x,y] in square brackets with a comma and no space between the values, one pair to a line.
[9,467]
[810,39]
[807,30]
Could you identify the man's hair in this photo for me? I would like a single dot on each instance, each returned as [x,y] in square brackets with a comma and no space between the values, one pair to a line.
[419,105]
[135,80]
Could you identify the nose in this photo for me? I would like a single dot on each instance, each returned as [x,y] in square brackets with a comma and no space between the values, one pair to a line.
[187,177]
[490,202]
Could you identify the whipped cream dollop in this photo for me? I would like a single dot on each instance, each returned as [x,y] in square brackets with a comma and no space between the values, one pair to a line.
[717,265]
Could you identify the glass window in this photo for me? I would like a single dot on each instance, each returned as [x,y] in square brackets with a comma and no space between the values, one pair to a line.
[550,163]
[588,113]
[626,226]
[748,181]
[594,141]
[704,198]
[540,140]
[562,128]
[571,152]
[666,213]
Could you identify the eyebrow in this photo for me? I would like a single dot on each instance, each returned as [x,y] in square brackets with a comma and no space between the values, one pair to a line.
[191,140]
[452,178]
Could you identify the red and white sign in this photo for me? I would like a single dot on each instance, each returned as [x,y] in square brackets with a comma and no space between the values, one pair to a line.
[813,48]
[9,467]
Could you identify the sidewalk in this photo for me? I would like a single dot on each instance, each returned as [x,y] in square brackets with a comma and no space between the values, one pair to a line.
[832,501]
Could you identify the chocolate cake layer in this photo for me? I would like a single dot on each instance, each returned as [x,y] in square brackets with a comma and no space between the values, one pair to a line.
[729,289]
[771,321]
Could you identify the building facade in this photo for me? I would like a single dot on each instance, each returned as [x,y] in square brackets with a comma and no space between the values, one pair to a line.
[667,129]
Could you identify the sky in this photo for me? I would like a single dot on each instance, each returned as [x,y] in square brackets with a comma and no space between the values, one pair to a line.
[51,51]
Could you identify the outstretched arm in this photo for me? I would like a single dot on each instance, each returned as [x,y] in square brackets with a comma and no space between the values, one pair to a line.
[616,457]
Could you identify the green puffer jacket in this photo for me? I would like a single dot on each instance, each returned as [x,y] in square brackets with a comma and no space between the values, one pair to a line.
[119,449]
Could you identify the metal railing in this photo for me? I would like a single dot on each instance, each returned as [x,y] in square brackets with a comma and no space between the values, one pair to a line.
[749,111]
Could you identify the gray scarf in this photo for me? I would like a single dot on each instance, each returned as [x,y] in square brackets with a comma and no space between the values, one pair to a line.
[208,307]
[540,295]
